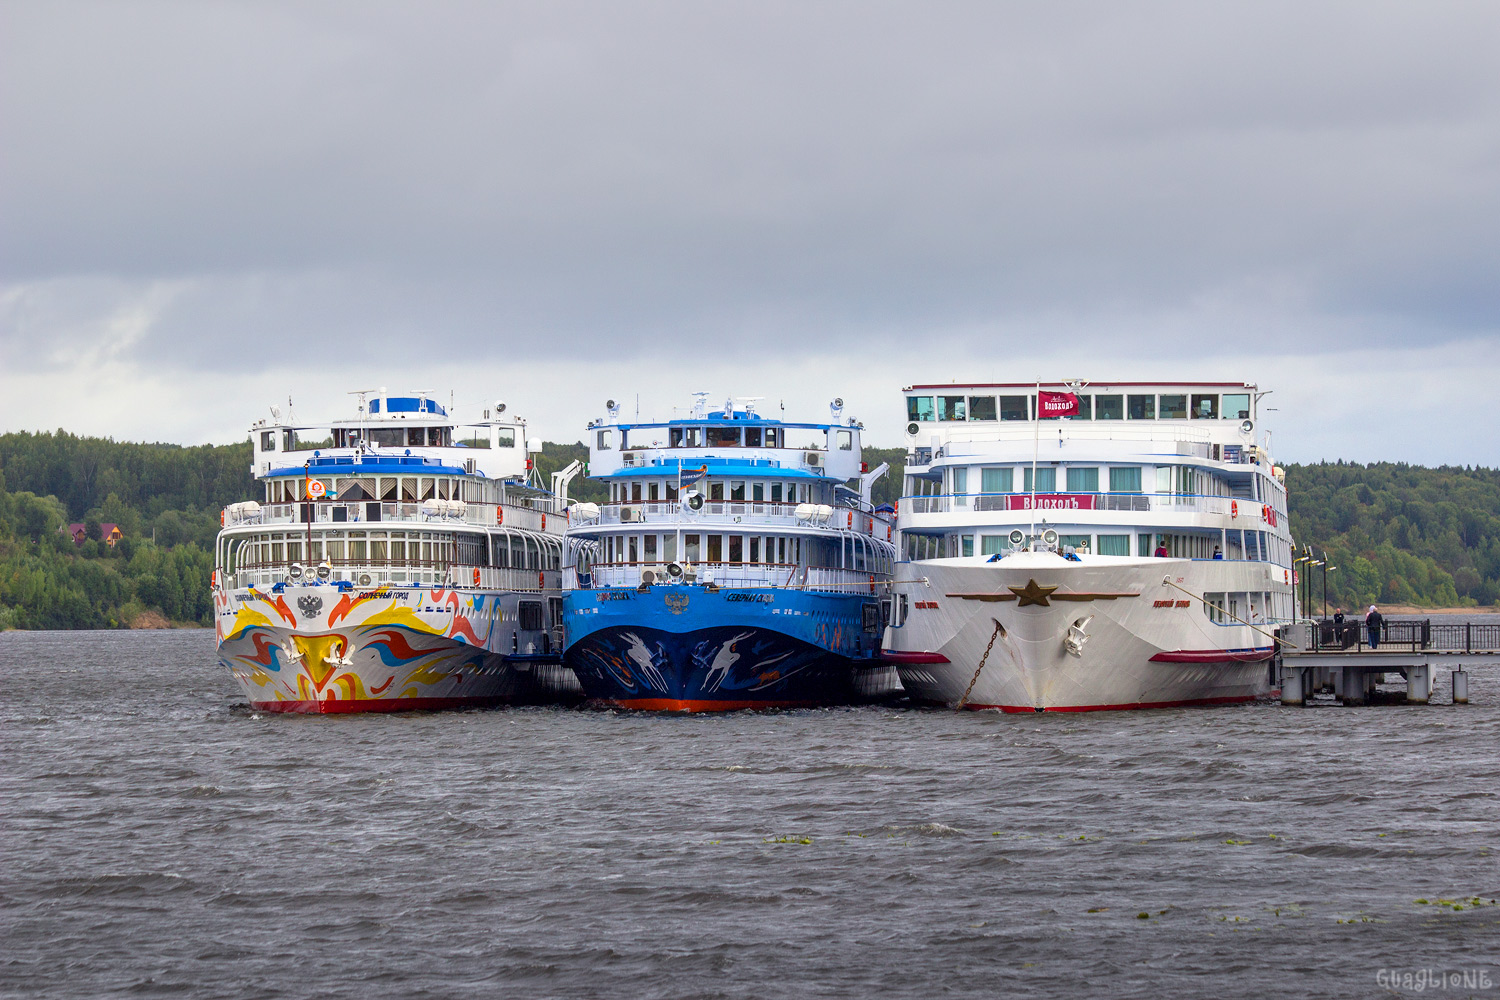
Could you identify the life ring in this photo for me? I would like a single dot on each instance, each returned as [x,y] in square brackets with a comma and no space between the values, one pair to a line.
[541,581]
[476,578]
[872,583]
[887,532]
[1234,508]
[499,514]
[851,520]
[221,519]
[214,580]
[544,522]
[1286,576]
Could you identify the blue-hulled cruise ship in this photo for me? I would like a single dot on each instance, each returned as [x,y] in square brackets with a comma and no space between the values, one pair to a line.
[732,566]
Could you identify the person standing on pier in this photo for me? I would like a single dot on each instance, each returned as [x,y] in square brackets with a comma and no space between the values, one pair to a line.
[1372,626]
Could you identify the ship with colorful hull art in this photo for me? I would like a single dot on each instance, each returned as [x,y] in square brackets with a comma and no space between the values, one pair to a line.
[731,567]
[399,560]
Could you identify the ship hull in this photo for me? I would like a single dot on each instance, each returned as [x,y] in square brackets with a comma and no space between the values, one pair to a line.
[994,635]
[317,650]
[687,649]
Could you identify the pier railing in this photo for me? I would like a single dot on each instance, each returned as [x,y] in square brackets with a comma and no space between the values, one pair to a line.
[1414,635]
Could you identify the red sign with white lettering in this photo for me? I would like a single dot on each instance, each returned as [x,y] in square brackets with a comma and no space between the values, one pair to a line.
[1057,404]
[1052,501]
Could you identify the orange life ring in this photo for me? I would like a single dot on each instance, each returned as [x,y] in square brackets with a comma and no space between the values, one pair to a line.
[887,532]
[214,581]
[499,514]
[541,581]
[872,583]
[1234,508]
[476,578]
[221,519]
[544,522]
[851,520]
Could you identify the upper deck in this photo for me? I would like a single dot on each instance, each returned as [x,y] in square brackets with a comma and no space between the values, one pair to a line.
[396,448]
[754,445]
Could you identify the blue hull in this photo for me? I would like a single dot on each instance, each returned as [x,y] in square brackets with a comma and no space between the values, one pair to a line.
[687,649]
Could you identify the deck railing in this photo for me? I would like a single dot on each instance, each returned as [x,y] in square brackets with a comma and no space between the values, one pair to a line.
[372,511]
[1061,501]
[748,514]
[787,576]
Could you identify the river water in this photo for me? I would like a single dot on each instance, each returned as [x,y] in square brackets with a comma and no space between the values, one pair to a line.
[161,839]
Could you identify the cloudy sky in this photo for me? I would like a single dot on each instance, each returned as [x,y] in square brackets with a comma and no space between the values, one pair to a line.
[208,206]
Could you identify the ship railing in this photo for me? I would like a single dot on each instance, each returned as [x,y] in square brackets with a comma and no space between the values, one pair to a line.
[1063,502]
[362,511]
[748,512]
[781,576]
[365,573]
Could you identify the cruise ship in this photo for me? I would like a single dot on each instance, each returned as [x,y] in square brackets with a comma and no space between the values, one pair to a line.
[1125,547]
[731,566]
[396,560]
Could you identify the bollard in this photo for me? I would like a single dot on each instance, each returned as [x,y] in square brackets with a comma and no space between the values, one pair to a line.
[1460,688]
[1291,687]
[1418,684]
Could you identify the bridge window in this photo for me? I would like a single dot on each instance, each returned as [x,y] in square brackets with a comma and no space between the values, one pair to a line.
[606,440]
[919,408]
[737,490]
[1236,406]
[950,407]
[505,437]
[1141,407]
[1205,407]
[723,437]
[1015,408]
[752,437]
[1109,407]
[1173,407]
[1085,408]
[846,438]
[267,440]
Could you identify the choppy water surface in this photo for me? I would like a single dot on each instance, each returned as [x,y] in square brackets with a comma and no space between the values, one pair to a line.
[158,837]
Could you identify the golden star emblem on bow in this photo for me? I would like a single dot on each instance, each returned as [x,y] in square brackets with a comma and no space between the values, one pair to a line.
[1032,593]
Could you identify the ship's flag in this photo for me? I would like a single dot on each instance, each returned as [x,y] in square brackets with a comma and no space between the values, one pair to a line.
[1056,404]
[688,477]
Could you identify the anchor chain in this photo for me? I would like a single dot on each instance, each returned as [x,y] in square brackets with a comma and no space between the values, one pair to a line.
[975,679]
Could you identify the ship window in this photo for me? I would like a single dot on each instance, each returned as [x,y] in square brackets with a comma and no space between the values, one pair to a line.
[1173,407]
[1114,545]
[428,491]
[1141,407]
[653,492]
[966,545]
[736,548]
[1075,541]
[1085,408]
[723,437]
[1236,406]
[1046,480]
[1125,479]
[997,480]
[919,408]
[846,438]
[773,437]
[386,437]
[606,440]
[1014,408]
[758,493]
[737,490]
[776,493]
[505,437]
[1083,480]
[1109,407]
[649,549]
[635,492]
[715,548]
[671,491]
[961,487]
[752,437]
[982,408]
[634,545]
[267,440]
[950,407]
[690,548]
[1205,407]
[991,544]
[388,488]
[716,491]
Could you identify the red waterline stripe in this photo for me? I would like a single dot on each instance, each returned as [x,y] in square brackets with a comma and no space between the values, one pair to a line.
[698,705]
[1238,699]
[905,656]
[332,707]
[1213,655]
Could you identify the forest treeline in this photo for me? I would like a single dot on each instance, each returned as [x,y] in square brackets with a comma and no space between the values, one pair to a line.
[1397,533]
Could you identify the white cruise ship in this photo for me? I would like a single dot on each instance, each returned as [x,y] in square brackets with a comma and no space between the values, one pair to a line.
[1133,553]
[396,560]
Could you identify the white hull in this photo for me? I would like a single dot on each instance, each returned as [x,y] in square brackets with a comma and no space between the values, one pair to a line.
[1147,644]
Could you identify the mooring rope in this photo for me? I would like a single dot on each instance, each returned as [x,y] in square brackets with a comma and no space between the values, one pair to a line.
[975,679]
[1274,638]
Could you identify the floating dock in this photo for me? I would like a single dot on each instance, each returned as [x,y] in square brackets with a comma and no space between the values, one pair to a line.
[1326,663]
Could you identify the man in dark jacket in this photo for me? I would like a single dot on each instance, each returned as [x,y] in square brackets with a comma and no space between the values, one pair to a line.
[1372,626]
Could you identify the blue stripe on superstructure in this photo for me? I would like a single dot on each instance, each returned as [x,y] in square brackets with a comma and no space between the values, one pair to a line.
[717,468]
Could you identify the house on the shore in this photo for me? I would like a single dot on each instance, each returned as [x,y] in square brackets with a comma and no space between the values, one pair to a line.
[109,533]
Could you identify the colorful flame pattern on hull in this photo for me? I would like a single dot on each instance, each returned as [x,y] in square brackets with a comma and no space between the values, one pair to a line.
[382,650]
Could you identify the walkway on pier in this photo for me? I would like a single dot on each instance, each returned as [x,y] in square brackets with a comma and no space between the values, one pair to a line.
[1336,658]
